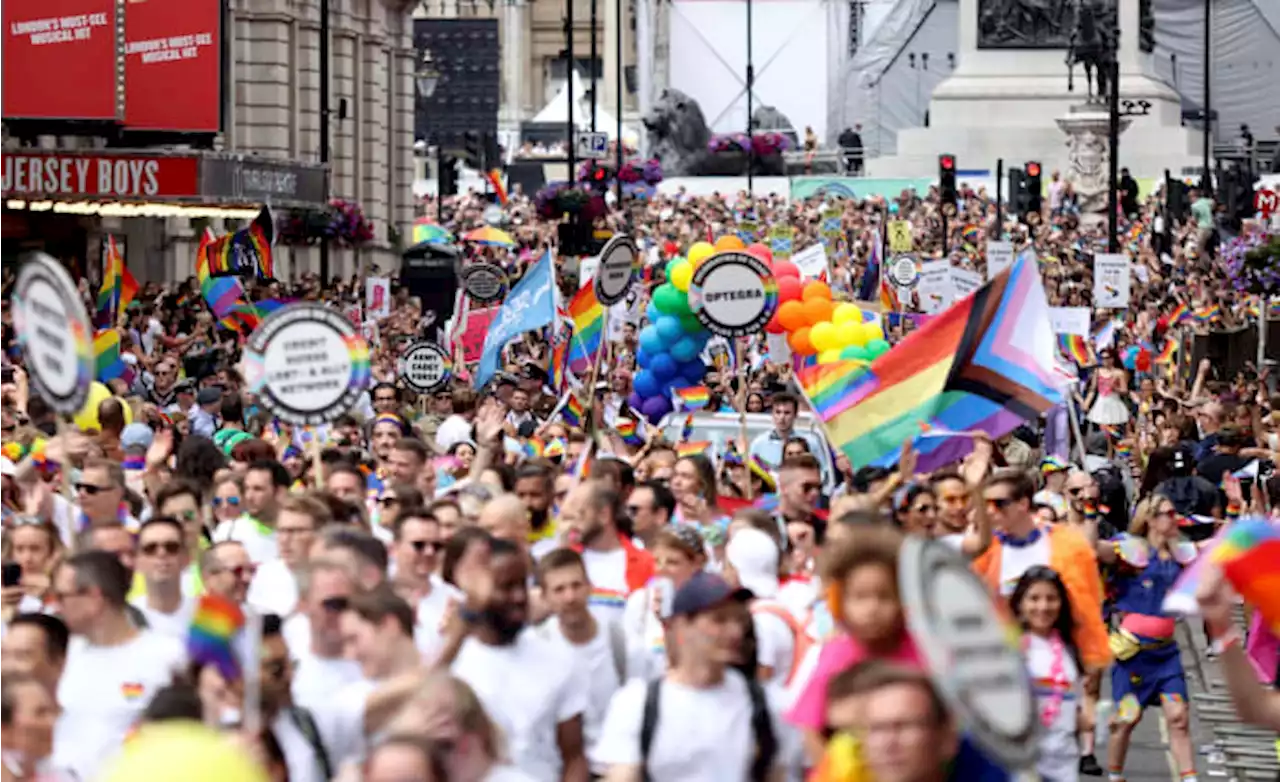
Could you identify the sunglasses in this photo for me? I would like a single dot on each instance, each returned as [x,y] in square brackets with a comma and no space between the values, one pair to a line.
[426,545]
[241,572]
[387,502]
[335,605]
[926,508]
[999,503]
[170,547]
[808,487]
[1074,492]
[275,669]
[91,489]
[234,502]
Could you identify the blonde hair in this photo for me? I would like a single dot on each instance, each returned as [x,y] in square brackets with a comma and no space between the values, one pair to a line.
[1143,514]
[439,688]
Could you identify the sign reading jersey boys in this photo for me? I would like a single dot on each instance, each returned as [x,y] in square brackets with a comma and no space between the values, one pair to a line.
[425,367]
[617,270]
[53,329]
[733,294]
[307,364]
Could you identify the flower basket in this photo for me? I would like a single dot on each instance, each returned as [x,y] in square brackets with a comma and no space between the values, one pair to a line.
[561,198]
[342,222]
[1252,261]
[348,225]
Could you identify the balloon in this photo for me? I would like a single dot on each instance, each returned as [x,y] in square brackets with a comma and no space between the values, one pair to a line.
[691,372]
[788,289]
[669,330]
[645,384]
[652,313]
[774,326]
[762,252]
[799,342]
[785,269]
[663,367]
[823,336]
[634,401]
[203,754]
[655,407]
[872,331]
[846,312]
[817,310]
[87,418]
[791,315]
[685,350]
[690,324]
[667,299]
[854,353]
[699,252]
[730,242]
[877,348]
[681,304]
[682,275]
[816,289]
[643,357]
[848,334]
[828,357]
[651,339]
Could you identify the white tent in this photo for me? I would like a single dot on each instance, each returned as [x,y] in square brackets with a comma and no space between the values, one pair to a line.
[557,111]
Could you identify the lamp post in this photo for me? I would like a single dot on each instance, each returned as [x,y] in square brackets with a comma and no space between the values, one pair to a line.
[751,85]
[324,127]
[1118,109]
[425,79]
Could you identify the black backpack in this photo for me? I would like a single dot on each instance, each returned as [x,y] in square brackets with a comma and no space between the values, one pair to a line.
[761,726]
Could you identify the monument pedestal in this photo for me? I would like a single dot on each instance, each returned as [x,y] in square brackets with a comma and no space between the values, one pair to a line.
[1005,103]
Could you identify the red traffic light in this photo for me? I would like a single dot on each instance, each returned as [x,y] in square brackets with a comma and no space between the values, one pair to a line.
[948,162]
[1033,169]
[598,174]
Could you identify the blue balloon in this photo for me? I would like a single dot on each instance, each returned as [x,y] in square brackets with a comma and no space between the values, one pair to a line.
[685,350]
[663,368]
[652,313]
[655,407]
[645,384]
[669,329]
[691,373]
[652,341]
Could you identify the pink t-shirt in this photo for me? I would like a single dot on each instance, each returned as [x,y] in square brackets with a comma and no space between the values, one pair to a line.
[837,655]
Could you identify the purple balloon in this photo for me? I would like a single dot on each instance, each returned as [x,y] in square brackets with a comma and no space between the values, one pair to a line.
[635,401]
[655,407]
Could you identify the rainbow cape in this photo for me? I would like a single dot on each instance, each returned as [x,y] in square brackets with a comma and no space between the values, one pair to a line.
[212,633]
[588,330]
[988,363]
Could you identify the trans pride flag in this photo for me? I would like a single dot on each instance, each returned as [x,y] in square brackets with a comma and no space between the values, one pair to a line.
[987,363]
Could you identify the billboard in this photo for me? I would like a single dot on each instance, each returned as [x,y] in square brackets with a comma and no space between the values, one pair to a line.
[173,65]
[59,59]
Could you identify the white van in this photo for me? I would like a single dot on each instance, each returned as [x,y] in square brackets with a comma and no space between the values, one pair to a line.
[719,428]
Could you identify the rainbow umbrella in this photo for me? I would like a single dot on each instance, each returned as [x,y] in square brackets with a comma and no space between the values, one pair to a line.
[490,236]
[426,231]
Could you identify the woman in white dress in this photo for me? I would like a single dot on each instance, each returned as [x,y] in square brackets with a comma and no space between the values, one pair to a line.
[1108,388]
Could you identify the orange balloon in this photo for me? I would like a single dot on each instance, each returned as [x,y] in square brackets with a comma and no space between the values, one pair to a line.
[799,342]
[791,315]
[730,242]
[817,310]
[817,289]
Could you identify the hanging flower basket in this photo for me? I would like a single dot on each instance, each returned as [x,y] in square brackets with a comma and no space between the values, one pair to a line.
[561,198]
[1252,261]
[348,225]
[632,172]
[342,222]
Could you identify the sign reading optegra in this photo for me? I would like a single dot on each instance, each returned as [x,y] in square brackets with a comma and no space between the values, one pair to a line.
[733,294]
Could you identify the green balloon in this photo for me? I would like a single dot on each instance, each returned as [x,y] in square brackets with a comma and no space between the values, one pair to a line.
[681,304]
[690,324]
[855,353]
[667,299]
[671,264]
[877,347]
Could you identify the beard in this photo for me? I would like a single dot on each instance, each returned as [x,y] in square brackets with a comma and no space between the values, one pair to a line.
[538,518]
[504,626]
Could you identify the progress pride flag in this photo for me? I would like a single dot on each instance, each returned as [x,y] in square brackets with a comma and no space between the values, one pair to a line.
[173,65]
[59,59]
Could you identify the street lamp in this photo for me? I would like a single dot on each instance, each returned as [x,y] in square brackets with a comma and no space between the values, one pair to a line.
[425,79]
[1119,109]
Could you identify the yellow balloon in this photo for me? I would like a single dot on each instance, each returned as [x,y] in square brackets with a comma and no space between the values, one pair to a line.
[203,754]
[829,356]
[87,418]
[846,312]
[849,333]
[699,252]
[681,275]
[871,331]
[823,336]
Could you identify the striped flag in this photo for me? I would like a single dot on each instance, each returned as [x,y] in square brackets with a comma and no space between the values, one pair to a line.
[118,287]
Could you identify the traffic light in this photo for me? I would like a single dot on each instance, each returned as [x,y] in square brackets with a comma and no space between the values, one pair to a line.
[1034,188]
[1018,193]
[947,192]
[1175,199]
[598,177]
[447,176]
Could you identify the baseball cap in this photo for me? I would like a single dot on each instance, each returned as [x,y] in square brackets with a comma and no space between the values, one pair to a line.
[1053,464]
[703,592]
[754,557]
[209,395]
[136,436]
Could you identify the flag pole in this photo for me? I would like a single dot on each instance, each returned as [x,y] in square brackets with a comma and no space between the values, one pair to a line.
[742,418]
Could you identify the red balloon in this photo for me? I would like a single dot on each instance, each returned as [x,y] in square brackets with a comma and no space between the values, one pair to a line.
[785,269]
[789,289]
[762,252]
[774,326]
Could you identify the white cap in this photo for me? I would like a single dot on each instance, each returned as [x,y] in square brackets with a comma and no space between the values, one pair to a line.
[754,556]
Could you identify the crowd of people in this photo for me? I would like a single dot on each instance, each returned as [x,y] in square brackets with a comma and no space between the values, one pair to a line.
[473,586]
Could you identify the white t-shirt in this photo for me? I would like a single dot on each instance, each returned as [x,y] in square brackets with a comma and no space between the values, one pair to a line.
[341,722]
[1059,752]
[775,643]
[318,679]
[274,590]
[430,616]
[608,575]
[646,638]
[593,661]
[452,430]
[528,688]
[175,625]
[102,692]
[1016,560]
[259,542]
[507,774]
[702,735]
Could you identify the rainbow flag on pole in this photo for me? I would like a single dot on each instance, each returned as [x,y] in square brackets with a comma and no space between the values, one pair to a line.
[118,287]
[692,398]
[213,630]
[247,252]
[588,330]
[1077,348]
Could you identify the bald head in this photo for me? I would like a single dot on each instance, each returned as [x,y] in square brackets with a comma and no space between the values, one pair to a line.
[506,518]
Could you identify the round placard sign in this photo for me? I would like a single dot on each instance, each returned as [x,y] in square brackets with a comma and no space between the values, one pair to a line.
[425,367]
[307,364]
[54,332]
[484,282]
[970,650]
[617,270]
[733,294]
[904,273]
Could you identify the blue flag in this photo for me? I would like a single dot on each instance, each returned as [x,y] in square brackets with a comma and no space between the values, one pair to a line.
[530,305]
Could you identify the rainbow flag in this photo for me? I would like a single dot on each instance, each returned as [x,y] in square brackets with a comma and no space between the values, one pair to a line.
[222,294]
[109,364]
[1207,314]
[693,448]
[212,633]
[970,234]
[1166,354]
[1249,555]
[588,330]
[118,287]
[988,363]
[686,431]
[573,413]
[561,336]
[495,181]
[1180,313]
[1077,348]
[247,252]
[761,470]
[692,398]
[630,431]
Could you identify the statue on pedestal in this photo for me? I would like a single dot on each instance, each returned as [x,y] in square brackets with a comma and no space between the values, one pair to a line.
[1093,45]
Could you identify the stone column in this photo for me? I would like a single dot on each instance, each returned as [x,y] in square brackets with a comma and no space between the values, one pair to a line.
[512,20]
[613,59]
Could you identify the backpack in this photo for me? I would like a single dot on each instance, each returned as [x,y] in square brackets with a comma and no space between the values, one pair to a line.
[761,727]
[801,638]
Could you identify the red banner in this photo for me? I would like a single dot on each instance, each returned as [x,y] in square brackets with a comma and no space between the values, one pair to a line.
[124,177]
[474,331]
[173,65]
[60,59]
